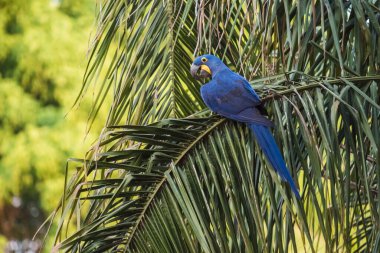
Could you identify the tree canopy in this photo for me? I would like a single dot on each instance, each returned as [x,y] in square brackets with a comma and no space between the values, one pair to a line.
[42,59]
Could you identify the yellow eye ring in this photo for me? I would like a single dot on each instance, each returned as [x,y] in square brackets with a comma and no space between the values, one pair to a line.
[204,59]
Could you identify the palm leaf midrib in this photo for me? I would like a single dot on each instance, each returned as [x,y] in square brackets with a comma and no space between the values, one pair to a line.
[175,162]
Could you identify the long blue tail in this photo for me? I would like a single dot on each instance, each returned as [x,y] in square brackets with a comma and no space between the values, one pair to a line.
[268,145]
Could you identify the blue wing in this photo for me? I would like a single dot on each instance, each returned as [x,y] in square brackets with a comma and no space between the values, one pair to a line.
[249,88]
[234,98]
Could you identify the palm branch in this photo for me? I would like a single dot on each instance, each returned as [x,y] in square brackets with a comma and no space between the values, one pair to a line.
[166,176]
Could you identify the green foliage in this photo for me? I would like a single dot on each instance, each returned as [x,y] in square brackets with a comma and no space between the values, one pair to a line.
[187,185]
[198,183]
[41,63]
[13,115]
[3,242]
[75,8]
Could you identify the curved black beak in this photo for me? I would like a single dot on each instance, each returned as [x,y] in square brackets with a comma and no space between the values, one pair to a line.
[198,73]
[194,70]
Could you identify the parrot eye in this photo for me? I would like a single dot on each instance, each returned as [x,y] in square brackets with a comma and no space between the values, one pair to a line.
[204,59]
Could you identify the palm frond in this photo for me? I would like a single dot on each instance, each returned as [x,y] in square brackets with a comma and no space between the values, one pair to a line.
[149,45]
[199,184]
[147,69]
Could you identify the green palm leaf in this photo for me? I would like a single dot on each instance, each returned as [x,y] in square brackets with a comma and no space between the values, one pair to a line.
[174,178]
[149,63]
[144,48]
[189,185]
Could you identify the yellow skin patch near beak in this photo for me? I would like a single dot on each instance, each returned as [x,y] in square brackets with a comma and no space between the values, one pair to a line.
[206,68]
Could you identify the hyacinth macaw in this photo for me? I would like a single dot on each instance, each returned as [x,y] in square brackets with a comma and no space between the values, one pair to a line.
[230,95]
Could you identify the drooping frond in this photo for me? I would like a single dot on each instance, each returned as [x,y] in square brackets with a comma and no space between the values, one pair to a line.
[144,48]
[199,184]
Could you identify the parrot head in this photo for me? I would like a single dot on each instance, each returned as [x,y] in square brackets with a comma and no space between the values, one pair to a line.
[205,66]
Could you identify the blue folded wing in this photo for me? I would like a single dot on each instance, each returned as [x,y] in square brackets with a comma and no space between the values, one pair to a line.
[249,115]
[248,87]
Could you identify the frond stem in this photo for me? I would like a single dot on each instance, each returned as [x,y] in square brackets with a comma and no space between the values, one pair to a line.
[163,180]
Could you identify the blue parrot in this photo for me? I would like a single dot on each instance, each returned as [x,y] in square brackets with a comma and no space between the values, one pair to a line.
[230,95]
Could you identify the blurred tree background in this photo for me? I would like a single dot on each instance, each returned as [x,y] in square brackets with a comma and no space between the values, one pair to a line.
[43,46]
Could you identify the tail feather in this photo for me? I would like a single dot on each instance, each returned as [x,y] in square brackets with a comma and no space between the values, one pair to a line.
[268,145]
